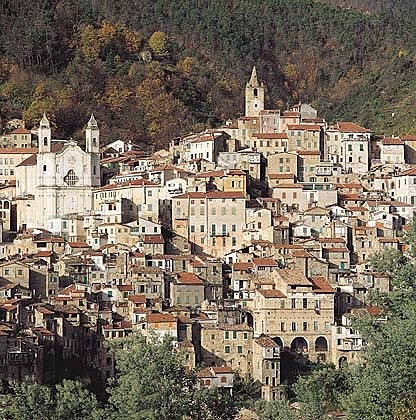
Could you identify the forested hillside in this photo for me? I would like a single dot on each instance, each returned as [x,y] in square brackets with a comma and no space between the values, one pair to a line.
[153,70]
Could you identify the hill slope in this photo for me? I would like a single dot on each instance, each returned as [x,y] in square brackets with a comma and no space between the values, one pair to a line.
[153,70]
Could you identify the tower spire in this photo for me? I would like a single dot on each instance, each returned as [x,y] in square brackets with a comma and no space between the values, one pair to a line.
[253,82]
[92,122]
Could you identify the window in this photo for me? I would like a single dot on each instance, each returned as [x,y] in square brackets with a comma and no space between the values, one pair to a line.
[305,303]
[293,326]
[234,335]
[227,335]
[227,349]
[192,229]
[240,349]
[202,228]
[315,326]
[305,326]
[245,336]
[293,303]
[70,178]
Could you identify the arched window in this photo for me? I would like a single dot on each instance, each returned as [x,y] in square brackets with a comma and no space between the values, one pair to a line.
[94,141]
[255,93]
[71,178]
[44,168]
[6,205]
[45,141]
[321,344]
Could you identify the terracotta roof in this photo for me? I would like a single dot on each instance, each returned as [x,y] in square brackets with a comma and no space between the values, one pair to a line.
[242,266]
[270,293]
[137,298]
[30,161]
[265,262]
[304,127]
[294,277]
[222,369]
[159,317]
[389,141]
[189,278]
[265,341]
[320,285]
[350,127]
[20,130]
[78,245]
[44,254]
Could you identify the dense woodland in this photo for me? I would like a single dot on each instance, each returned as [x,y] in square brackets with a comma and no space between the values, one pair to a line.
[154,70]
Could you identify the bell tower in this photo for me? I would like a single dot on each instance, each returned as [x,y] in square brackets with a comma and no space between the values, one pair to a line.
[92,136]
[44,135]
[254,95]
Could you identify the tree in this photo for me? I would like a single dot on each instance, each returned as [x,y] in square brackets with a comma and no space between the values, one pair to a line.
[30,401]
[277,409]
[151,383]
[386,374]
[159,44]
[74,401]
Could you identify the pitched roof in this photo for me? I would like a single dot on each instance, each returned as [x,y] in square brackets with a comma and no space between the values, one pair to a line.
[294,277]
[159,317]
[320,285]
[189,278]
[350,127]
[271,293]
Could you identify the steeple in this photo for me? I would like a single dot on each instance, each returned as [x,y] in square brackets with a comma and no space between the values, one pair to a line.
[92,136]
[44,135]
[44,122]
[92,122]
[253,82]
[254,95]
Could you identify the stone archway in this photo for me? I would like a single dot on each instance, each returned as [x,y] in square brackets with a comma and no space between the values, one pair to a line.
[278,341]
[321,344]
[300,345]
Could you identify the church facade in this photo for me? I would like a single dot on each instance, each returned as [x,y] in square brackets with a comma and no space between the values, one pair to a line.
[65,175]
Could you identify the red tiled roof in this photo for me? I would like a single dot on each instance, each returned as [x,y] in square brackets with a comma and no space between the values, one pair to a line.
[242,266]
[320,285]
[159,317]
[270,293]
[389,141]
[189,278]
[137,298]
[20,130]
[78,245]
[350,127]
[304,127]
[264,262]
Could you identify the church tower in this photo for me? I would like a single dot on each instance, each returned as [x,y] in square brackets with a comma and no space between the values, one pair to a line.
[92,136]
[254,95]
[44,135]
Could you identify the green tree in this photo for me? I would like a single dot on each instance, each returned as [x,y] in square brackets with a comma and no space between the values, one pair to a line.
[30,401]
[380,383]
[74,401]
[159,43]
[277,409]
[151,383]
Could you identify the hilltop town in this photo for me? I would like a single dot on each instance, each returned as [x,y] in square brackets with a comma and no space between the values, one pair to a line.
[242,243]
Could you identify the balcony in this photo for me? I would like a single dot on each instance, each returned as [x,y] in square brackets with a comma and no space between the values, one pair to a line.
[221,234]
